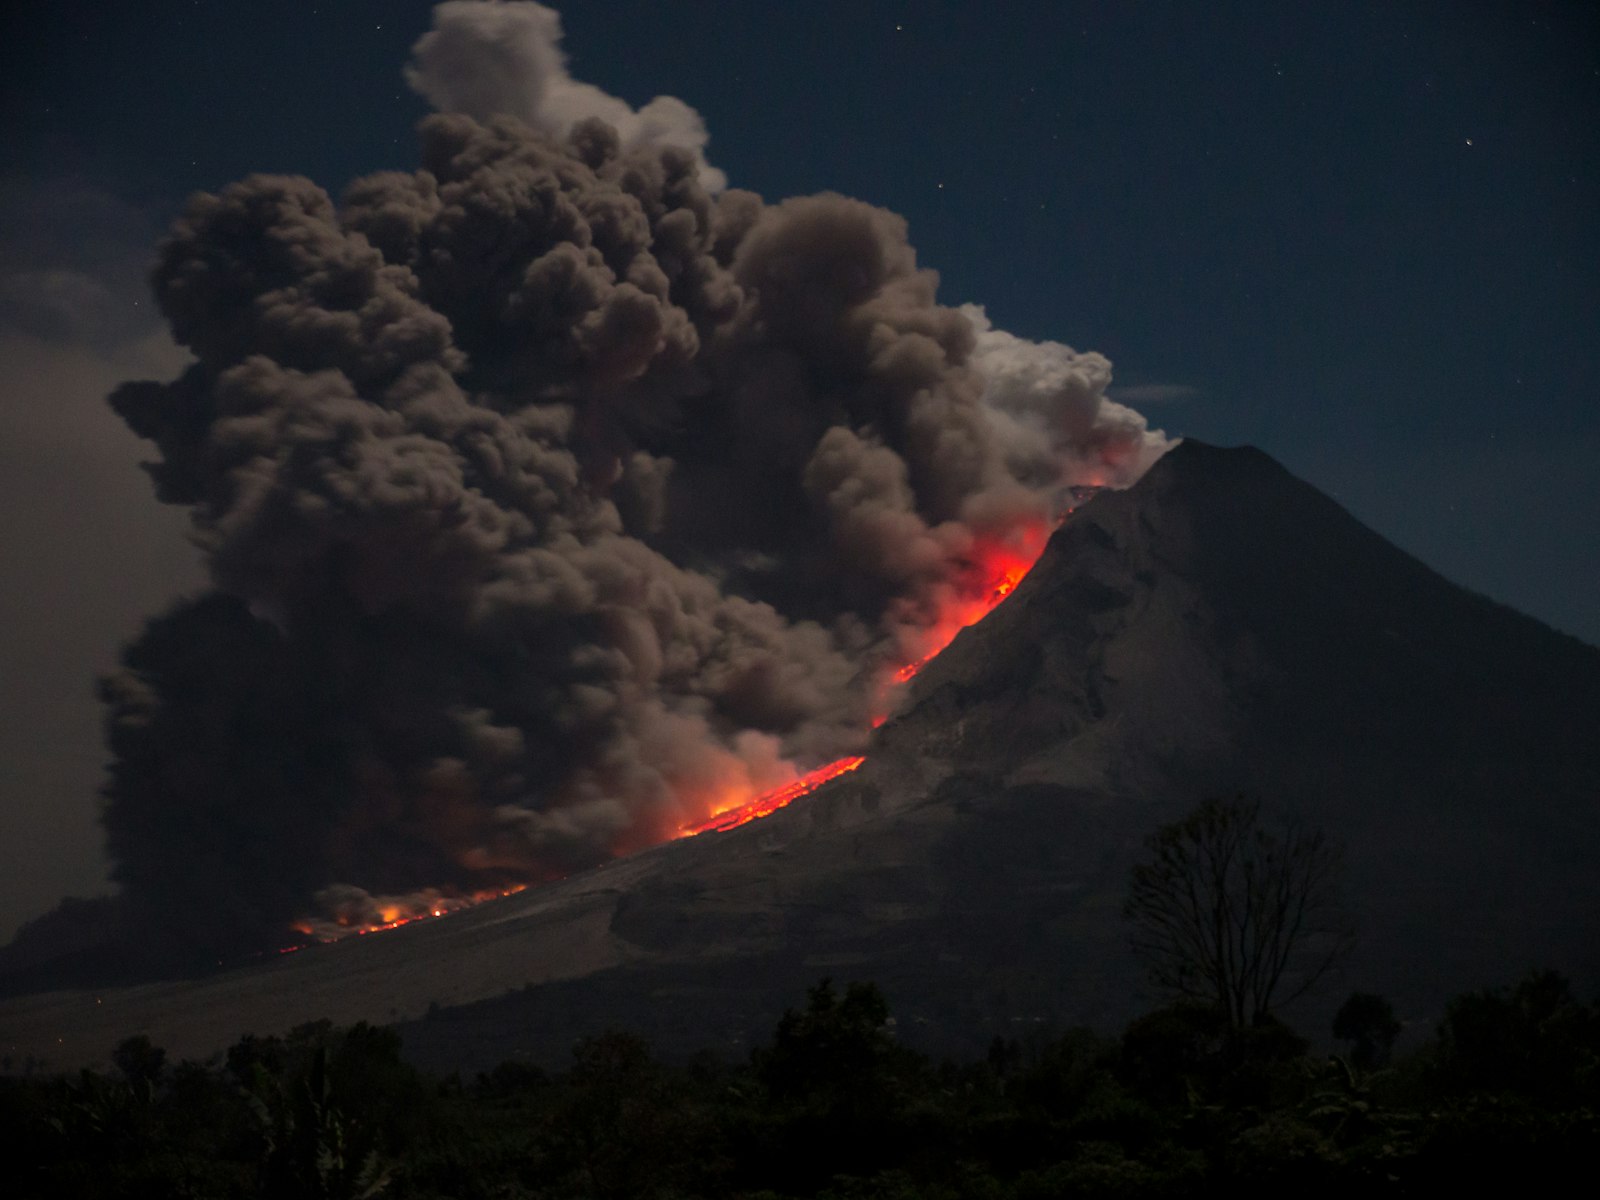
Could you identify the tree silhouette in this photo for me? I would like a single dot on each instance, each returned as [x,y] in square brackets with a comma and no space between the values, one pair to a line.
[839,1052]
[1229,912]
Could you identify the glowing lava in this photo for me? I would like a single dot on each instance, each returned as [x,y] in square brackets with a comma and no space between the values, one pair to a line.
[768,803]
[991,572]
[391,912]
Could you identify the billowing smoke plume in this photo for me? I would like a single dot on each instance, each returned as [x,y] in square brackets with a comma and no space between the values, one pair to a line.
[548,495]
[487,59]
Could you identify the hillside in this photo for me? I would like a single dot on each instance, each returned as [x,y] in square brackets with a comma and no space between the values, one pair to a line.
[1219,627]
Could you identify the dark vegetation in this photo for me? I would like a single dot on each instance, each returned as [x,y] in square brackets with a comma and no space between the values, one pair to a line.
[1507,1091]
[1212,1094]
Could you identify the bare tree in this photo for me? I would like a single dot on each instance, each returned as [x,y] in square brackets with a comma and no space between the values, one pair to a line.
[1231,913]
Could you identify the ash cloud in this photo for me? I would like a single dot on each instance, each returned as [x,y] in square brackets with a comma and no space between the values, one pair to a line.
[484,59]
[549,493]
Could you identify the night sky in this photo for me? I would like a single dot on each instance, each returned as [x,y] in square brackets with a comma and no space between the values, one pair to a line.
[1360,236]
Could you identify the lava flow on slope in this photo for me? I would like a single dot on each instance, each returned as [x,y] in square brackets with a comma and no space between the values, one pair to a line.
[391,912]
[768,803]
[992,573]
[996,567]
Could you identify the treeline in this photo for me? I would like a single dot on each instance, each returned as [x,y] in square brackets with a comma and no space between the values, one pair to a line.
[1507,1092]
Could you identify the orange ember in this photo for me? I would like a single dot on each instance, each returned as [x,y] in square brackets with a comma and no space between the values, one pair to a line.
[395,912]
[768,803]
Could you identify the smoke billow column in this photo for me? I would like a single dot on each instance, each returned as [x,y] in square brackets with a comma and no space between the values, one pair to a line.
[548,492]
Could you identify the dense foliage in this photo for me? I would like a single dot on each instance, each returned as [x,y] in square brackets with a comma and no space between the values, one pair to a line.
[1183,1103]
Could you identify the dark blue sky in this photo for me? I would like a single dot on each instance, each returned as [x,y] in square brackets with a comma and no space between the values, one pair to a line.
[1362,236]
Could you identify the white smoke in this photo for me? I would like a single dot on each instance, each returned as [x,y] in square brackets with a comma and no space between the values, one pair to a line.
[483,57]
[1051,412]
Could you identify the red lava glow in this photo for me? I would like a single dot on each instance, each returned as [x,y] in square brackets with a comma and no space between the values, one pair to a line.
[393,913]
[768,803]
[992,571]
[996,566]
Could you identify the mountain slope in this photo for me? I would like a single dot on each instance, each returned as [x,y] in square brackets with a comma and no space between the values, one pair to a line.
[1219,627]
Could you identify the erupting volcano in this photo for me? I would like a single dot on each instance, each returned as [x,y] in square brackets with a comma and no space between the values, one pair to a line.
[1217,625]
[995,568]
[997,565]
[557,500]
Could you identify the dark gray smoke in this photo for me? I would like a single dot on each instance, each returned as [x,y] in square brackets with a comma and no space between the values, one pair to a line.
[548,498]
